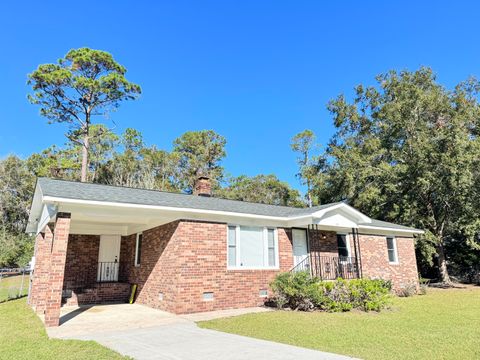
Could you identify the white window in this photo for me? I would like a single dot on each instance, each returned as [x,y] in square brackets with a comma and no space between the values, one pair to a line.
[252,247]
[138,249]
[392,249]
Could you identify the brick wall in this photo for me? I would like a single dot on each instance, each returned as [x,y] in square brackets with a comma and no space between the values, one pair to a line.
[41,274]
[158,270]
[82,261]
[101,293]
[375,264]
[58,255]
[183,259]
[323,242]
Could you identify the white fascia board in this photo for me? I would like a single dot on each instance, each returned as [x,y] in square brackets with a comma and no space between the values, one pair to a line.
[48,213]
[35,211]
[391,230]
[347,208]
[52,199]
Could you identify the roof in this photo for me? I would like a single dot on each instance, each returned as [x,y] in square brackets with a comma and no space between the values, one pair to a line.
[128,195]
[64,189]
[386,224]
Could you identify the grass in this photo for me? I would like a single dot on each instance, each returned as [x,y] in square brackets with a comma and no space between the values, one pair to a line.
[11,286]
[444,324]
[22,336]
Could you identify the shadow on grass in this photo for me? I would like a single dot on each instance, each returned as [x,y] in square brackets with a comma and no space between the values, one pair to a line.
[12,298]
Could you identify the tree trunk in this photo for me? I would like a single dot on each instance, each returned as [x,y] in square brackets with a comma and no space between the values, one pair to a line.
[442,265]
[84,159]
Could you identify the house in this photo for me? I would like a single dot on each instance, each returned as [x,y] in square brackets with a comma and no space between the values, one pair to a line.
[193,253]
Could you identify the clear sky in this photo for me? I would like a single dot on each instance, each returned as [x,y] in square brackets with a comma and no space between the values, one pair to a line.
[255,71]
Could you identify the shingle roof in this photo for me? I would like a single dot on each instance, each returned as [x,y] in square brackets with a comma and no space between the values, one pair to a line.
[385,224]
[128,195]
[120,194]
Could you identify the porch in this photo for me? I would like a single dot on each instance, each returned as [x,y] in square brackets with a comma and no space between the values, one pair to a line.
[325,253]
[95,270]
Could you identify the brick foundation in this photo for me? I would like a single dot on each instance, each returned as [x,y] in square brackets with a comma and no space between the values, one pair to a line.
[103,293]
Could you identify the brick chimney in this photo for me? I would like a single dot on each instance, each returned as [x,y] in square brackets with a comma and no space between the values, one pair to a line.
[203,187]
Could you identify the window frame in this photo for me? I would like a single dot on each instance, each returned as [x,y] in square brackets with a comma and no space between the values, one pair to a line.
[238,242]
[138,259]
[395,250]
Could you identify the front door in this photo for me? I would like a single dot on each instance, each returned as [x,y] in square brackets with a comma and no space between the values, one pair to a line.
[108,258]
[300,248]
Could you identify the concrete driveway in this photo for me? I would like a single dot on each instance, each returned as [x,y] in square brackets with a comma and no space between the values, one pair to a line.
[145,333]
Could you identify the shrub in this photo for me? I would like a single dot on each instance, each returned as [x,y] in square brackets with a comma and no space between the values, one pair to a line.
[407,290]
[423,286]
[292,290]
[300,291]
[370,295]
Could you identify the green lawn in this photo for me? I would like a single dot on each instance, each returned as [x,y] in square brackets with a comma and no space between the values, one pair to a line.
[22,336]
[444,324]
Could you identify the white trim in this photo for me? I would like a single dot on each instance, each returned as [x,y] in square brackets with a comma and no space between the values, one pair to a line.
[413,231]
[158,207]
[396,262]
[49,212]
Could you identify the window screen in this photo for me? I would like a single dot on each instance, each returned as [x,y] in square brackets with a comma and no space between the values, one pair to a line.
[392,251]
[251,247]
[271,247]
[232,246]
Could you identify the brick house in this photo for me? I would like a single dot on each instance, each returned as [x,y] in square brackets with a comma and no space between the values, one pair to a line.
[193,253]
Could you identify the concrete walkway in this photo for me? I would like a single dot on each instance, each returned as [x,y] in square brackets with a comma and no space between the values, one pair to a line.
[145,333]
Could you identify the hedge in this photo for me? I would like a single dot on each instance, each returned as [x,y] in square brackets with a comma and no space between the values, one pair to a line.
[300,291]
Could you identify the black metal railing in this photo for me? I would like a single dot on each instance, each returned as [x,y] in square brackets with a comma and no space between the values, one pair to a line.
[108,271]
[329,267]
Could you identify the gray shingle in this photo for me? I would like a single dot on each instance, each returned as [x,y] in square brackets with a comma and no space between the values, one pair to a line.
[98,192]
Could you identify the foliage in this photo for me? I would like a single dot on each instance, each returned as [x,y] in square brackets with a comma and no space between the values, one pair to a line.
[23,336]
[304,143]
[199,154]
[265,189]
[408,151]
[138,165]
[16,190]
[83,84]
[16,249]
[444,324]
[300,291]
[407,290]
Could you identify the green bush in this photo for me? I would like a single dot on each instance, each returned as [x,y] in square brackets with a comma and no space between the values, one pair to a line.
[300,291]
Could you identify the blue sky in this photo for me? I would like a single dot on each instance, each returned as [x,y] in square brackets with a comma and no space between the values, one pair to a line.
[257,72]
